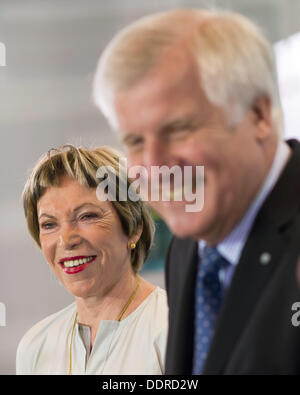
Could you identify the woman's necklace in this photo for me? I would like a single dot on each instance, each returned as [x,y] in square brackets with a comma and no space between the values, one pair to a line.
[119,319]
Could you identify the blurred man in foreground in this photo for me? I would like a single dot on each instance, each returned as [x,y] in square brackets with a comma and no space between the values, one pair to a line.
[198,88]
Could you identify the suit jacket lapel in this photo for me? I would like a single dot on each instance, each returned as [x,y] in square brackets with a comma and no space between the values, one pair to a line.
[180,339]
[248,284]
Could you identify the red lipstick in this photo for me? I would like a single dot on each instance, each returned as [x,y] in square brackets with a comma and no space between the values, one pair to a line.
[79,266]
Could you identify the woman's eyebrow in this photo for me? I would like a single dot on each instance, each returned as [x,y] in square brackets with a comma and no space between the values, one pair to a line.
[76,209]
[81,206]
[46,215]
[88,205]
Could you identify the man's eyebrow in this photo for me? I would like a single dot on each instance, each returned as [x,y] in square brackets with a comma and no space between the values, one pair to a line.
[186,120]
[169,125]
[129,138]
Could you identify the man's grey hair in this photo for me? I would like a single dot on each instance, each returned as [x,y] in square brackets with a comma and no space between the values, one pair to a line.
[235,61]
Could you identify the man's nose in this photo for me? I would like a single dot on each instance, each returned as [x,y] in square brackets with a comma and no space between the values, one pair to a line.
[156,153]
[69,238]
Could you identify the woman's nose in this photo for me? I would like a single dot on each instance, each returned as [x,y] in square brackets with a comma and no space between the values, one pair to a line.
[69,238]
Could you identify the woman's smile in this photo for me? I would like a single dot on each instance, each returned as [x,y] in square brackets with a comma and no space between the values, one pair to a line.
[76,264]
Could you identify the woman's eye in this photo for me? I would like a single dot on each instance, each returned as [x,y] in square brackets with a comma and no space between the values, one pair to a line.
[48,225]
[89,216]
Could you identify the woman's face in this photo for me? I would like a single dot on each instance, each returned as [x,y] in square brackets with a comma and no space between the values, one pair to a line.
[82,239]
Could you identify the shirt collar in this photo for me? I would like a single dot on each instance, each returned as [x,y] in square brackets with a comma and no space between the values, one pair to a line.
[231,247]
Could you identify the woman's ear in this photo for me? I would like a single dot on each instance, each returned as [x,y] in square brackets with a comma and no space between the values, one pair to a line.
[135,238]
[139,233]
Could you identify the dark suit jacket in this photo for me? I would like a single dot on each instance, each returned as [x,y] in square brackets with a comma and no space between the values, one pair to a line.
[254,332]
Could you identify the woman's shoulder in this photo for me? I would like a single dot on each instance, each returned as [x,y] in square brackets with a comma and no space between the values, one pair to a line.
[160,296]
[36,336]
[54,320]
[156,307]
[155,318]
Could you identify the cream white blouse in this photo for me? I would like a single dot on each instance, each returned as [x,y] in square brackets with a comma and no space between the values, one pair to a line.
[135,345]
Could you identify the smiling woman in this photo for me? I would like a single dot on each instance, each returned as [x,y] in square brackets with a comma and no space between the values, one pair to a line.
[95,248]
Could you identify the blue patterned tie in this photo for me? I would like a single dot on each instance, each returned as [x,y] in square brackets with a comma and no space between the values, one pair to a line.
[209,294]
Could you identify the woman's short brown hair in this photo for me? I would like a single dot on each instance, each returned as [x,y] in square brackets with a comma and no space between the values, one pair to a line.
[82,164]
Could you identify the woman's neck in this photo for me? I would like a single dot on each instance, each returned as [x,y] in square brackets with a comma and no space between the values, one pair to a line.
[93,309]
[107,305]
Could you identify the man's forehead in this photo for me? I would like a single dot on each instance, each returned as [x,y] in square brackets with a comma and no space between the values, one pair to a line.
[176,65]
[157,96]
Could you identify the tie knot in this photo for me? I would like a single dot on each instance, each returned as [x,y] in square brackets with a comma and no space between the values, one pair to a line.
[212,260]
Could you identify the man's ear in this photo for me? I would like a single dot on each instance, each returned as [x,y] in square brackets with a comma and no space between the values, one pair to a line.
[262,119]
